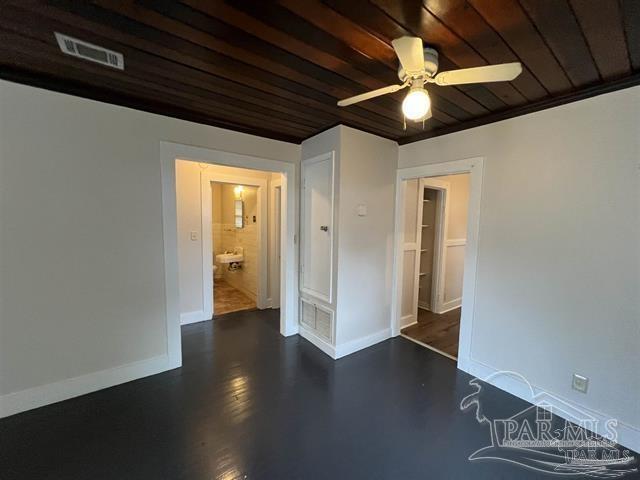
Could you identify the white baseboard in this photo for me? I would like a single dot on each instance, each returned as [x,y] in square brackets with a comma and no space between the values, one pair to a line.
[628,435]
[359,343]
[323,345]
[42,395]
[194,317]
[409,318]
[450,305]
[409,324]
[290,331]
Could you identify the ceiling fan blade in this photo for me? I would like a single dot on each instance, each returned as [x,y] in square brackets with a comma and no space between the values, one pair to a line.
[368,95]
[491,73]
[410,52]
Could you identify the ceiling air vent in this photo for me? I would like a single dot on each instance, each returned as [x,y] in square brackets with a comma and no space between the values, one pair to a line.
[88,51]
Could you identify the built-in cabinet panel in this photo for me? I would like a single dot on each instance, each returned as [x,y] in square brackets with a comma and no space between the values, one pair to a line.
[317,305]
[317,226]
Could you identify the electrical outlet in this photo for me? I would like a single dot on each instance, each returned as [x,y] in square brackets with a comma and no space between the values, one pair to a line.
[580,383]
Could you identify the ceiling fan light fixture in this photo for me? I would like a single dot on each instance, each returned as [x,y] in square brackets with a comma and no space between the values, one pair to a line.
[419,65]
[416,104]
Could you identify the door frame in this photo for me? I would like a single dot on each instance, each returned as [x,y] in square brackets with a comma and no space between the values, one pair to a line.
[208,177]
[474,166]
[171,152]
[275,234]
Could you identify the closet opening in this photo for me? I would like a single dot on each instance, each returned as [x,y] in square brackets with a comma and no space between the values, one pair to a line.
[435,239]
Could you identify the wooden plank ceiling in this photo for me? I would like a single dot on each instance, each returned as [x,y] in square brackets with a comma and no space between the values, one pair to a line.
[276,69]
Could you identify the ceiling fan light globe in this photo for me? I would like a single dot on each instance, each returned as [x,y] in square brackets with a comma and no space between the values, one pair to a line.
[416,104]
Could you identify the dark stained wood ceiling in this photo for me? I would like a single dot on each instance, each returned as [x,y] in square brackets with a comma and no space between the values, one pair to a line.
[276,69]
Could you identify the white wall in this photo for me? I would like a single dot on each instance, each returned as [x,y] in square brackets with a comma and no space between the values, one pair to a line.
[189,209]
[458,205]
[454,245]
[367,176]
[82,266]
[558,277]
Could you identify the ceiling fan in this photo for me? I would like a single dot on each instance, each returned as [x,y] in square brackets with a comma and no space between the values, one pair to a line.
[418,66]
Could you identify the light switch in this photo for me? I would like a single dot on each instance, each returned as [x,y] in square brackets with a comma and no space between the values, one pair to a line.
[362,210]
[194,236]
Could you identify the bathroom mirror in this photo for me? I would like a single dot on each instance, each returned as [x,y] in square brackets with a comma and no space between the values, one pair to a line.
[239,213]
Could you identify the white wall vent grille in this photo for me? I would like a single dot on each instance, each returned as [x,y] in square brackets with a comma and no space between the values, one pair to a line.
[317,318]
[88,51]
[308,317]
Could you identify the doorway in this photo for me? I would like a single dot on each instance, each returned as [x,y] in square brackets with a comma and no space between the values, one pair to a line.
[236,246]
[170,154]
[441,205]
[437,216]
[235,218]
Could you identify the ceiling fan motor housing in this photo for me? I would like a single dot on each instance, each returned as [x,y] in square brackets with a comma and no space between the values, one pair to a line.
[430,64]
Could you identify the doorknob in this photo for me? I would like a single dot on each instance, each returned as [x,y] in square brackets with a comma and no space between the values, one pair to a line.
[324,228]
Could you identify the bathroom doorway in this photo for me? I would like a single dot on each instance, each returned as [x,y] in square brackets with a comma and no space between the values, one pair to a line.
[238,219]
[235,247]
[229,242]
[186,174]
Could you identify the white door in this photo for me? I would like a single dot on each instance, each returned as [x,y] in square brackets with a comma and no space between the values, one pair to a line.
[317,227]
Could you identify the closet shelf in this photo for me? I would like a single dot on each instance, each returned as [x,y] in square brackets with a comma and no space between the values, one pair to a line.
[424,226]
[422,273]
[424,250]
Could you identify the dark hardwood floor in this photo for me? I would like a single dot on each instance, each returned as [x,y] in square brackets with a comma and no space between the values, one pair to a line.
[250,404]
[441,331]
